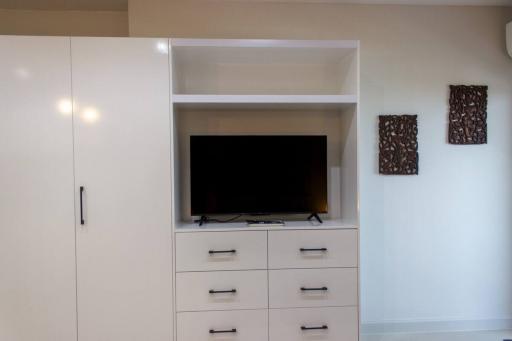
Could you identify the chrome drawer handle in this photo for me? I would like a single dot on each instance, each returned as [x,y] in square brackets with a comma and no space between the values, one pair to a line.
[213,331]
[232,291]
[314,289]
[314,328]
[213,252]
[322,249]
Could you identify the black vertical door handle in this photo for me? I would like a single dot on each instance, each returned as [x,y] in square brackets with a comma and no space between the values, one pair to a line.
[82,220]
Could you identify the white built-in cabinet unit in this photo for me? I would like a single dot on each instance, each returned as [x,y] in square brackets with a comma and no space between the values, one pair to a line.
[293,283]
[96,264]
[96,238]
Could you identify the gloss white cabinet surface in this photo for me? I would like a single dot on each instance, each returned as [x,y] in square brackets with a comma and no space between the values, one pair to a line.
[122,145]
[304,304]
[221,251]
[37,235]
[314,324]
[94,113]
[297,288]
[221,290]
[312,249]
[247,325]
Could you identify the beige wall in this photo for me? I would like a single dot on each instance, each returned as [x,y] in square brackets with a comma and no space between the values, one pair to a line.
[436,247]
[63,23]
[231,19]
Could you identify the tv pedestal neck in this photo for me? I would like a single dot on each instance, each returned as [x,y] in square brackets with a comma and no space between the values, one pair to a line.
[316,216]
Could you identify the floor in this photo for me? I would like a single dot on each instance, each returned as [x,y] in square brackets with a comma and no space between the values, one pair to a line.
[452,336]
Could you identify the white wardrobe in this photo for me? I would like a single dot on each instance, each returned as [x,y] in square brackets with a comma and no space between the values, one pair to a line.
[92,264]
[96,238]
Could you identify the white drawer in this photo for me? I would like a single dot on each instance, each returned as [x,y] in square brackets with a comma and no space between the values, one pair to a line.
[247,325]
[207,251]
[221,290]
[334,324]
[312,249]
[312,288]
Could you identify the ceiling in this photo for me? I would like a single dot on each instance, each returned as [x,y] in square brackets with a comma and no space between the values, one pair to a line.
[58,5]
[122,5]
[401,2]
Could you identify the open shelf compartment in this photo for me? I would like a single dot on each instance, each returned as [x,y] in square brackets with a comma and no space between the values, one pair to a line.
[339,125]
[268,87]
[264,67]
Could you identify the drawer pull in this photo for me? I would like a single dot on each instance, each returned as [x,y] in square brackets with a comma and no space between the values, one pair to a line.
[232,291]
[213,331]
[314,328]
[82,220]
[322,249]
[314,289]
[213,252]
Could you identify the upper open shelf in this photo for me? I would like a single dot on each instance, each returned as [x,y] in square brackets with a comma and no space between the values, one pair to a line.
[265,68]
[264,101]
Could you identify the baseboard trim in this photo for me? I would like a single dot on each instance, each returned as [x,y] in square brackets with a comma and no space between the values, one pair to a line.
[435,326]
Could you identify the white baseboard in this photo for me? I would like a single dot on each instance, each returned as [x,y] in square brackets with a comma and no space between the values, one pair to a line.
[435,326]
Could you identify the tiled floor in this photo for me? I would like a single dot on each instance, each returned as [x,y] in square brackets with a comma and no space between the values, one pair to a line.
[452,336]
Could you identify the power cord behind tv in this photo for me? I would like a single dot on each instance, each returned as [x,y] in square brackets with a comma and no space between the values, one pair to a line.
[205,219]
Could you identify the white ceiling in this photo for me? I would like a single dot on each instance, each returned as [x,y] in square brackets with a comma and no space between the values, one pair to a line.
[122,5]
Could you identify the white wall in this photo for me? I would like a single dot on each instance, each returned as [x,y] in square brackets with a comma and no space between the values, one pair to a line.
[438,246]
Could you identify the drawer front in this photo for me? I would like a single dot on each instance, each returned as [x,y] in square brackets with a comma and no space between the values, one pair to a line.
[312,249]
[314,324]
[209,251]
[248,325]
[312,288]
[221,290]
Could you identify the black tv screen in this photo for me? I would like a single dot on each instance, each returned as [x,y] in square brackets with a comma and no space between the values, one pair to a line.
[258,174]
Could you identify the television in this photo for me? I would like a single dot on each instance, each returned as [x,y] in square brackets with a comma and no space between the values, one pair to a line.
[258,175]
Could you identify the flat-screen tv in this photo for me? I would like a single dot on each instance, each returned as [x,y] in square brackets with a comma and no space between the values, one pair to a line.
[258,174]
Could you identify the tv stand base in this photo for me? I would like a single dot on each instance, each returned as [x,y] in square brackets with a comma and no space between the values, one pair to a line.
[202,220]
[316,216]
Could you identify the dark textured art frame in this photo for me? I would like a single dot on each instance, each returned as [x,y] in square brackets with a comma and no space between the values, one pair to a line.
[468,114]
[398,145]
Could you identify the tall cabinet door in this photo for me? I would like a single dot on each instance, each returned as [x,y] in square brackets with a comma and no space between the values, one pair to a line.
[37,223]
[122,162]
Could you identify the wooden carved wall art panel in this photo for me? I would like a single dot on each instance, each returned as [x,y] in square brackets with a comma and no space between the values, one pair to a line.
[398,144]
[468,114]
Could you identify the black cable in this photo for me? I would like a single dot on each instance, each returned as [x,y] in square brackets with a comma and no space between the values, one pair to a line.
[221,221]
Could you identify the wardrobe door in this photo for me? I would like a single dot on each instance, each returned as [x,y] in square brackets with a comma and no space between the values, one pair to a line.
[37,231]
[122,163]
